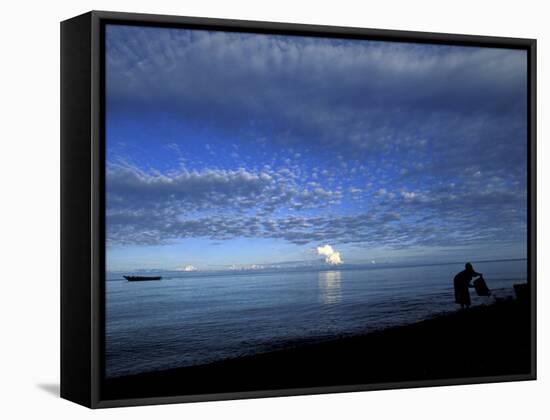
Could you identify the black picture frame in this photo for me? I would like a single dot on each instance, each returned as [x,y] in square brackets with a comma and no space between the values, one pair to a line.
[83,190]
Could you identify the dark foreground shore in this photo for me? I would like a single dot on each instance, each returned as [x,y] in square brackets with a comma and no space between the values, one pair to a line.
[483,341]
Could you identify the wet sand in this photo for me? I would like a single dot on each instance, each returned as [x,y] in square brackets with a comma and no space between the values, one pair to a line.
[484,341]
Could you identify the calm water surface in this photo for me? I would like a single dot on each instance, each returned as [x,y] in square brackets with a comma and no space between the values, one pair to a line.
[194,319]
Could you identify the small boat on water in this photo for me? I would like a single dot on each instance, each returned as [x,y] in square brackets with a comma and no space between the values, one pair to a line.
[142,278]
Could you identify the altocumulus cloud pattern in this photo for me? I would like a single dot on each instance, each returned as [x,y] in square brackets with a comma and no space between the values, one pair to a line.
[306,142]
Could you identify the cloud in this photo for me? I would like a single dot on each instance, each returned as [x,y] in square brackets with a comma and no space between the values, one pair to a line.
[371,143]
[331,257]
[469,215]
[246,267]
[347,96]
[131,190]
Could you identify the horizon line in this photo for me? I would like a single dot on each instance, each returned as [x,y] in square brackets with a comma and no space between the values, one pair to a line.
[273,266]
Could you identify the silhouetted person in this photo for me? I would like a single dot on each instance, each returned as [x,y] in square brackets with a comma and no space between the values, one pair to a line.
[462,284]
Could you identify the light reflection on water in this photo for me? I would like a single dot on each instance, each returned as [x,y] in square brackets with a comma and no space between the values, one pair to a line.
[330,287]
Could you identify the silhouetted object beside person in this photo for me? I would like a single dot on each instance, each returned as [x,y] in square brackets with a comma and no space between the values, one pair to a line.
[462,284]
[481,287]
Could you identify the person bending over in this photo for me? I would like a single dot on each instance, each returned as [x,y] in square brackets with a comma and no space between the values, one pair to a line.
[462,284]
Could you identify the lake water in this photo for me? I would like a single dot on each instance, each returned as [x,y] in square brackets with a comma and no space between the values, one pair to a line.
[191,319]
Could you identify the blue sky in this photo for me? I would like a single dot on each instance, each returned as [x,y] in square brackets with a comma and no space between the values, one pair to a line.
[232,150]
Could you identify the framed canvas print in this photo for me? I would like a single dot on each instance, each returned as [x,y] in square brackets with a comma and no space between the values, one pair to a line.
[255,209]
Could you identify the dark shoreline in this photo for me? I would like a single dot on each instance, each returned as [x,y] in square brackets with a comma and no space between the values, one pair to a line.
[483,341]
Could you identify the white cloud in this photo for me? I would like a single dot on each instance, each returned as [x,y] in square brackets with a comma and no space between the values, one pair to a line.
[331,257]
[408,195]
[238,267]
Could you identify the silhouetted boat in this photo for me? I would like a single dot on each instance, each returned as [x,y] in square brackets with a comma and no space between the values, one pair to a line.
[142,278]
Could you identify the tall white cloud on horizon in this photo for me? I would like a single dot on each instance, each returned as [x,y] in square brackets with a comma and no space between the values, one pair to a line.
[332,257]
